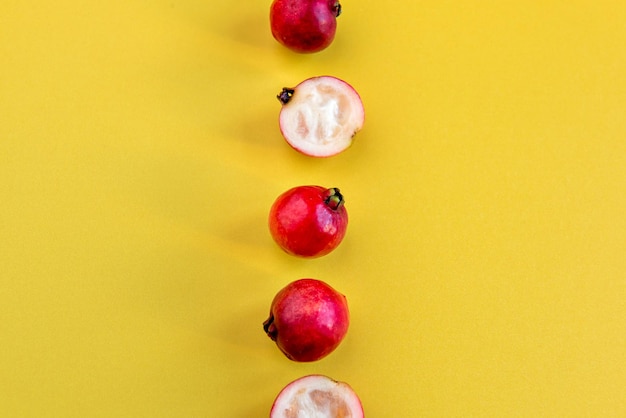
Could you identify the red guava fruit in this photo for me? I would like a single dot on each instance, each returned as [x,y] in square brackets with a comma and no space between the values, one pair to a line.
[308,221]
[304,26]
[308,319]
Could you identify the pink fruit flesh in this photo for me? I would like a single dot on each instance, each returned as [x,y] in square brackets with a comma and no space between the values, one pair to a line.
[304,26]
[308,320]
[320,116]
[317,396]
[308,221]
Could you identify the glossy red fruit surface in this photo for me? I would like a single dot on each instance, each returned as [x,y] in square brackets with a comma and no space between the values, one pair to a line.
[320,116]
[317,396]
[308,319]
[308,221]
[304,26]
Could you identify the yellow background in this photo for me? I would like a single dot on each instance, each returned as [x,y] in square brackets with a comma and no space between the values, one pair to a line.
[484,262]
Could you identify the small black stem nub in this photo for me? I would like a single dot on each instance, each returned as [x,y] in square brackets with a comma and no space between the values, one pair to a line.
[270,328]
[334,199]
[337,9]
[285,95]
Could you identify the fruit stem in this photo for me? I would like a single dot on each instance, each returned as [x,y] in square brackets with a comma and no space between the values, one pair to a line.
[269,328]
[333,198]
[285,95]
[337,9]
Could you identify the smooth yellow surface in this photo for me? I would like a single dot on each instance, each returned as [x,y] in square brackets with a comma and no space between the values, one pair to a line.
[484,263]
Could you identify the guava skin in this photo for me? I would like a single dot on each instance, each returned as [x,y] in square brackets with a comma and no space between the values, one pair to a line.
[308,221]
[304,26]
[308,320]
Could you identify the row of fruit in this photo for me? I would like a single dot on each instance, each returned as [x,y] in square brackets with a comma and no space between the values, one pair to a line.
[319,117]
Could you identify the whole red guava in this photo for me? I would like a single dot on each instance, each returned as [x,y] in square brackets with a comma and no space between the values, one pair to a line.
[308,319]
[308,221]
[304,26]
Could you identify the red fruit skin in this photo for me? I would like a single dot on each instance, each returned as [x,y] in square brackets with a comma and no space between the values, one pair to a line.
[308,320]
[304,26]
[304,225]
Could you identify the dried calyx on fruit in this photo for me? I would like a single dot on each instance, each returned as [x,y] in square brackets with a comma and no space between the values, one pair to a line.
[320,116]
[317,396]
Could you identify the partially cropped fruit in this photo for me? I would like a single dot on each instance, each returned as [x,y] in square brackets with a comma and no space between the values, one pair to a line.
[308,320]
[308,221]
[317,396]
[320,116]
[304,26]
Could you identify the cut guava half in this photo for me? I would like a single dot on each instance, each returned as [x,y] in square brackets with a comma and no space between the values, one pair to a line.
[317,396]
[320,116]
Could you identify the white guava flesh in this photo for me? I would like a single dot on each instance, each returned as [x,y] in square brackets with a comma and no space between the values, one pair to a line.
[322,116]
[317,396]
